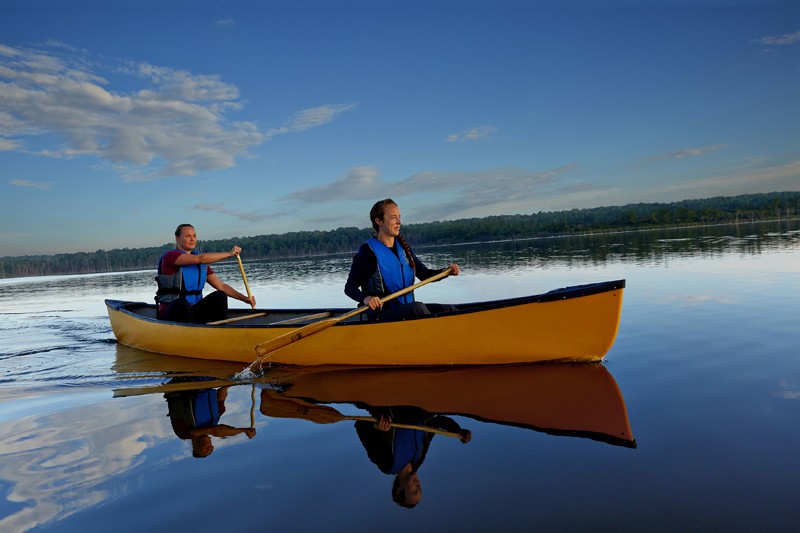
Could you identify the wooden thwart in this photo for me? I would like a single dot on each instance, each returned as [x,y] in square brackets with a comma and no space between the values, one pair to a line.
[301,318]
[236,319]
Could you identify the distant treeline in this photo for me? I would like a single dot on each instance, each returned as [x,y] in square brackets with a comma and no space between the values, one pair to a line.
[733,209]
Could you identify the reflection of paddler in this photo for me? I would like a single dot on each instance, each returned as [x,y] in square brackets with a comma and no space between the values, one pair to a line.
[195,416]
[395,446]
[274,405]
[401,451]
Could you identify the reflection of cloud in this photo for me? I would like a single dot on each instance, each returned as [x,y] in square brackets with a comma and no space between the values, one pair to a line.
[249,216]
[32,184]
[704,298]
[472,134]
[60,463]
[467,189]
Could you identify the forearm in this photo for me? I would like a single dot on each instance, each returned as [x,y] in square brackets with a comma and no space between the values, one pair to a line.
[212,257]
[233,293]
[354,293]
[422,271]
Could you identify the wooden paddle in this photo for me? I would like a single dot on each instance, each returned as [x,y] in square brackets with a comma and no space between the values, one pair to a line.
[244,278]
[265,348]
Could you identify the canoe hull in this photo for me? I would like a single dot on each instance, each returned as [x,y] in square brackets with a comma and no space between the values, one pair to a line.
[572,324]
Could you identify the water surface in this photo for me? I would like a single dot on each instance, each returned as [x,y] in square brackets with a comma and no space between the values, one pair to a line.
[705,370]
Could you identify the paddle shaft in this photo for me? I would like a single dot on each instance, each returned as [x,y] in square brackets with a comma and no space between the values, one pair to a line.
[286,339]
[426,429]
[244,278]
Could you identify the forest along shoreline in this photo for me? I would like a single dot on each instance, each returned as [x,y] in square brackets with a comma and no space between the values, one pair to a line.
[748,208]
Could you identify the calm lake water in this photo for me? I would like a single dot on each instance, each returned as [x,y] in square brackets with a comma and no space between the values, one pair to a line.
[692,423]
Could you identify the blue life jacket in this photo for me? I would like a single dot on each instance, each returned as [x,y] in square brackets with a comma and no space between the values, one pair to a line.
[192,409]
[205,409]
[407,447]
[187,282]
[393,273]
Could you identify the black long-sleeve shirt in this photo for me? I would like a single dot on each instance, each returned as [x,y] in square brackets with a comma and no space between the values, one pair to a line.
[364,265]
[379,445]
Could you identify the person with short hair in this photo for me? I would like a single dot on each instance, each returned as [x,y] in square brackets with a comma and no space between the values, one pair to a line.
[183,273]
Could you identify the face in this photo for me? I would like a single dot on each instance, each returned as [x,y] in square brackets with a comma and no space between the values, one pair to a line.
[202,446]
[187,240]
[390,225]
[413,489]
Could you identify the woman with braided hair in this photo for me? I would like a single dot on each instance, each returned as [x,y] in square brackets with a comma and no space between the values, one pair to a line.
[386,264]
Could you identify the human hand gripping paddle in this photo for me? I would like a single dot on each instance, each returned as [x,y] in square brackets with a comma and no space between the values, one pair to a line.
[249,296]
[265,348]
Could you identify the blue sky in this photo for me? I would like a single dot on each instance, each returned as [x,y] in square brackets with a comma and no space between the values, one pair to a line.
[120,120]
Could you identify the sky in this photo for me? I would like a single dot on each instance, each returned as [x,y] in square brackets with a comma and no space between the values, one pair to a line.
[120,120]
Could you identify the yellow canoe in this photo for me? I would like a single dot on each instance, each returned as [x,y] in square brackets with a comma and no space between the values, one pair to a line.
[570,324]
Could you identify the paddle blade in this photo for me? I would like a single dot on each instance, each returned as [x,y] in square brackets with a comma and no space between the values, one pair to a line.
[293,336]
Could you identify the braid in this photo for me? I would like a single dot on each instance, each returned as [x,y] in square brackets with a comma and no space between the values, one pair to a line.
[407,250]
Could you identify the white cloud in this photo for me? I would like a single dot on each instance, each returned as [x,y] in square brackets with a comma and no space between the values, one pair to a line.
[311,118]
[463,191]
[31,184]
[250,216]
[174,124]
[785,39]
[472,134]
[776,178]
[689,152]
[7,145]
[225,23]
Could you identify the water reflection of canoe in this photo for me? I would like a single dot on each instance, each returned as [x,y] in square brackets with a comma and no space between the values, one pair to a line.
[571,324]
[561,399]
[557,398]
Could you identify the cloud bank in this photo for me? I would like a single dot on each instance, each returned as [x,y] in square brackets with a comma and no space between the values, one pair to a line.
[172,123]
[463,190]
